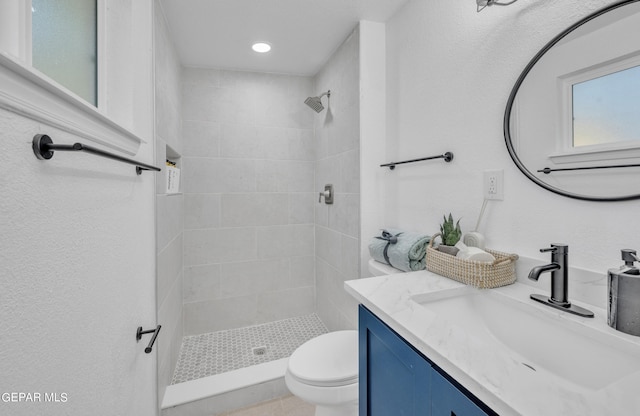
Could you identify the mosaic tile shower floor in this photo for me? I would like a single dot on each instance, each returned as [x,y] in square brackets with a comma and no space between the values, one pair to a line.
[218,352]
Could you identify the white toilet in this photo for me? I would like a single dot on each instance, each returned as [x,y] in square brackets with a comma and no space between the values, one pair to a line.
[324,371]
[380,269]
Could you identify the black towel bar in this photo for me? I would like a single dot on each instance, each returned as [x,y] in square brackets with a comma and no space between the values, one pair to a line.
[549,170]
[44,148]
[448,157]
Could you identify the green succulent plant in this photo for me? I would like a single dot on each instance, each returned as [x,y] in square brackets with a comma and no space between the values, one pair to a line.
[450,234]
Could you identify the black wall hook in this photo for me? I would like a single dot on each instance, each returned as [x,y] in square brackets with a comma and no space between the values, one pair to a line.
[155,331]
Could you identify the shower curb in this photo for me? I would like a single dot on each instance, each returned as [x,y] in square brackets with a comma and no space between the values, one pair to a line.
[227,391]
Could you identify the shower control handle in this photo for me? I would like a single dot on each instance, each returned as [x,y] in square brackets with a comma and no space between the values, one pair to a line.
[327,194]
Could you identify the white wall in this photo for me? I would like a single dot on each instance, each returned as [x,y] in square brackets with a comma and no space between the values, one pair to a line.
[248,170]
[373,102]
[450,71]
[337,229]
[77,267]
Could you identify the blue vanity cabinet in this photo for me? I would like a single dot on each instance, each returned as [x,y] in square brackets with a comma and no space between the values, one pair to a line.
[396,380]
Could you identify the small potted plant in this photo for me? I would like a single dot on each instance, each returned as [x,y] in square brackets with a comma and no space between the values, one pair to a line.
[450,235]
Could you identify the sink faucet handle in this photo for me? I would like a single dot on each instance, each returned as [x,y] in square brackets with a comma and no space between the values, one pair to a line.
[629,256]
[556,249]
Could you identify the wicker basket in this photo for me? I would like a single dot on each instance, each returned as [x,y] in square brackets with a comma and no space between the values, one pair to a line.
[483,275]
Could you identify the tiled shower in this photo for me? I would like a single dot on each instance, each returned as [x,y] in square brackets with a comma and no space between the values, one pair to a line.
[257,249]
[248,168]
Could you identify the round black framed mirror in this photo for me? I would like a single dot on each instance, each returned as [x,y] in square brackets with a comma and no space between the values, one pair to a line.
[572,120]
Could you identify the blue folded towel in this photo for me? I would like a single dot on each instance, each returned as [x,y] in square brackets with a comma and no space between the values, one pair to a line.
[403,250]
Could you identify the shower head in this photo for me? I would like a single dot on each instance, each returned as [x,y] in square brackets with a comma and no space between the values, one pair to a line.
[316,102]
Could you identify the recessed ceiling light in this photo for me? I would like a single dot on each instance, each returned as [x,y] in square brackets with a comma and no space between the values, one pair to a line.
[261,47]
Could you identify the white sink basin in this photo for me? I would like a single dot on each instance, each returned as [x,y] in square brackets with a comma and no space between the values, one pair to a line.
[543,340]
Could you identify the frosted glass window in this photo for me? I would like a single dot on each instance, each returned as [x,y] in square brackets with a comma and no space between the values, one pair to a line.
[64,44]
[607,109]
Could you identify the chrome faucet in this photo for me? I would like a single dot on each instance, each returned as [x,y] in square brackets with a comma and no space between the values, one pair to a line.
[559,268]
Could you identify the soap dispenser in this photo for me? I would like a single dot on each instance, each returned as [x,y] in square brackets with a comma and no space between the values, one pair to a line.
[624,295]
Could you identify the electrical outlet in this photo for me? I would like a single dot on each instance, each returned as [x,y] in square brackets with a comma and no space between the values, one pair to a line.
[494,184]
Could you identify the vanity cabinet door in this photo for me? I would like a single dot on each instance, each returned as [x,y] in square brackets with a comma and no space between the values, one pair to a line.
[447,400]
[394,378]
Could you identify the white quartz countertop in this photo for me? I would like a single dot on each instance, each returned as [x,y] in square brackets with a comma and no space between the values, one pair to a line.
[497,377]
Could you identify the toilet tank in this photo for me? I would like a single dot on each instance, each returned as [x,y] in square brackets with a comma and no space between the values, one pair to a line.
[380,269]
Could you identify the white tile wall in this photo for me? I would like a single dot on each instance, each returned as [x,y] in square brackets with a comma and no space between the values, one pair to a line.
[248,173]
[337,233]
[344,216]
[254,209]
[169,209]
[285,303]
[253,277]
[170,212]
[284,176]
[349,250]
[218,245]
[204,138]
[201,282]
[169,265]
[201,211]
[302,271]
[168,86]
[301,207]
[210,175]
[328,243]
[349,171]
[281,288]
[217,314]
[285,241]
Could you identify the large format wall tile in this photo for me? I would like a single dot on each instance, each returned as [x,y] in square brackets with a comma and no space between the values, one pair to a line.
[201,282]
[208,246]
[210,316]
[204,138]
[284,176]
[285,303]
[337,141]
[169,265]
[248,173]
[169,209]
[210,175]
[254,209]
[285,241]
[201,211]
[254,277]
[170,219]
[301,207]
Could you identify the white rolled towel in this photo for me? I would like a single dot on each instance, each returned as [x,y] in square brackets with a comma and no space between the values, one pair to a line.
[473,253]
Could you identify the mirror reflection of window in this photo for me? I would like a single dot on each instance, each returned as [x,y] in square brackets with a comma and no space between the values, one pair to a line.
[64,44]
[607,109]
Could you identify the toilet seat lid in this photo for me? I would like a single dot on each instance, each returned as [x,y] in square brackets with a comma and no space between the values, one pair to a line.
[328,360]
